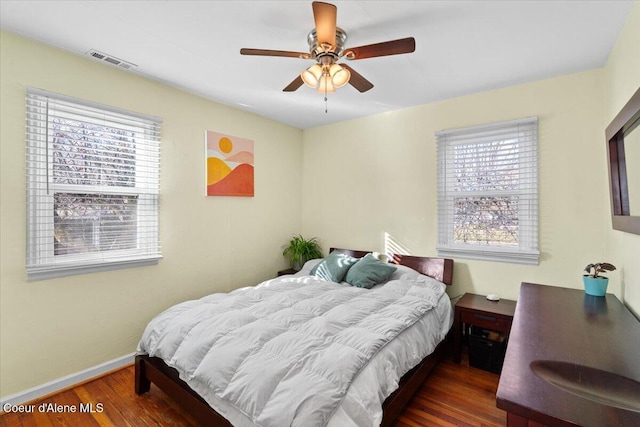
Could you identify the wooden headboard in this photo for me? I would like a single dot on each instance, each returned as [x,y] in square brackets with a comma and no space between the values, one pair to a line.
[439,268]
[351,252]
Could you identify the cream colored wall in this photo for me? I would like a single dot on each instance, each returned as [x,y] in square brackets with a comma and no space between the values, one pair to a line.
[53,328]
[378,175]
[622,73]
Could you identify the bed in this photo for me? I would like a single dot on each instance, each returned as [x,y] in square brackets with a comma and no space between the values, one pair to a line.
[181,385]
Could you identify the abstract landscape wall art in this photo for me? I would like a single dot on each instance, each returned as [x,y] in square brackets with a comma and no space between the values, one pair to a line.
[229,165]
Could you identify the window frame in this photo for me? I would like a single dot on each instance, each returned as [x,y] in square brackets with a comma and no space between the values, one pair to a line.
[526,251]
[42,262]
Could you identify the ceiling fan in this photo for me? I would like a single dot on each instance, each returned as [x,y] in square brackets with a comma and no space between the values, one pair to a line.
[327,47]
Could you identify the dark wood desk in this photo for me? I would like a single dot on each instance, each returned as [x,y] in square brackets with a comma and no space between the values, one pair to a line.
[477,310]
[566,325]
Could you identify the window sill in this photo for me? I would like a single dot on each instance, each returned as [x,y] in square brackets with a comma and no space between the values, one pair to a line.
[64,270]
[486,254]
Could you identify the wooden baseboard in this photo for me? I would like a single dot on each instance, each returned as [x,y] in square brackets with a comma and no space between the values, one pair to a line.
[69,381]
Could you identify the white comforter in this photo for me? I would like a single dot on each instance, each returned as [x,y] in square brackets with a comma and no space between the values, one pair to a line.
[287,351]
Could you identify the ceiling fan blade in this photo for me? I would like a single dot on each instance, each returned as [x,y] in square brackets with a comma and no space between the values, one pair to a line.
[357,80]
[325,15]
[267,52]
[294,85]
[393,47]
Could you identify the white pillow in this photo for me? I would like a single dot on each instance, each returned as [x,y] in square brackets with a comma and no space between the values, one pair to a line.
[402,270]
[306,268]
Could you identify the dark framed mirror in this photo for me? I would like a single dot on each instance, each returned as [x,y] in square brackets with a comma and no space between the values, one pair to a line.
[623,147]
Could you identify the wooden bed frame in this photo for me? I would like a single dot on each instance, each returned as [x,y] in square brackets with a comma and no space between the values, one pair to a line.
[154,370]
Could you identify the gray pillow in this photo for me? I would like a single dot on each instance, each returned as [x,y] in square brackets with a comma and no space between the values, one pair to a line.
[368,272]
[333,267]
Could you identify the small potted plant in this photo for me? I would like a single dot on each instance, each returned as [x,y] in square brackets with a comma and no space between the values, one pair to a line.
[594,284]
[301,250]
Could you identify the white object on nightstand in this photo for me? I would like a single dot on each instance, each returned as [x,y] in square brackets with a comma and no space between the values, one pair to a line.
[493,297]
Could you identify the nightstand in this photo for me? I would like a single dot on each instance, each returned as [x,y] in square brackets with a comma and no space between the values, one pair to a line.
[287,271]
[476,310]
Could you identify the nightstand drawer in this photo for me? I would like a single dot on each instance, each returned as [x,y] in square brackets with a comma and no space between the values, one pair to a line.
[487,321]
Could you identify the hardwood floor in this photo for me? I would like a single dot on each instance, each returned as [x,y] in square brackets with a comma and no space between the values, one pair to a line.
[453,395]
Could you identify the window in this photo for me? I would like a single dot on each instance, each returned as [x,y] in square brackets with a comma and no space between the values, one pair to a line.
[92,187]
[488,192]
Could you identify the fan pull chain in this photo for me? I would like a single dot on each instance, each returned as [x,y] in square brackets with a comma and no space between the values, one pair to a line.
[325,94]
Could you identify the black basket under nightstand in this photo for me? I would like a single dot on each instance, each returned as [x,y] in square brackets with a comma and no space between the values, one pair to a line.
[486,349]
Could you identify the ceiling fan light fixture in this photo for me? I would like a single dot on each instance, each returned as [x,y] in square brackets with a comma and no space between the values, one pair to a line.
[325,85]
[327,46]
[311,76]
[339,76]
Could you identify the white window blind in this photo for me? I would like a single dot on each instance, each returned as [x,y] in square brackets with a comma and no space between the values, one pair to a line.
[93,175]
[488,192]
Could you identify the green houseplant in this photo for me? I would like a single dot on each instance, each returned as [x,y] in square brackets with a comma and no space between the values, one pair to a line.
[594,284]
[301,250]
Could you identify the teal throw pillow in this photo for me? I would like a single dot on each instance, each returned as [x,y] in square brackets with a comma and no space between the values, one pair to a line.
[334,267]
[368,272]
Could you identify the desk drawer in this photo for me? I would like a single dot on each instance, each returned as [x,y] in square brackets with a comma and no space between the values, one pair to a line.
[488,321]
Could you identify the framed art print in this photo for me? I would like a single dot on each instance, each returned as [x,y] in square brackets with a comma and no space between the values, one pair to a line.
[229,165]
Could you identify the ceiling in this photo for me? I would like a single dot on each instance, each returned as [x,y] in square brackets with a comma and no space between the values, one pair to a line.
[462,47]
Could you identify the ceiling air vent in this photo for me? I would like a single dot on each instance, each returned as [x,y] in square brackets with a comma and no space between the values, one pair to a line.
[100,56]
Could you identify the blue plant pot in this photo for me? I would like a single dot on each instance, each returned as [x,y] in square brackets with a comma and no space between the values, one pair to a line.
[596,287]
